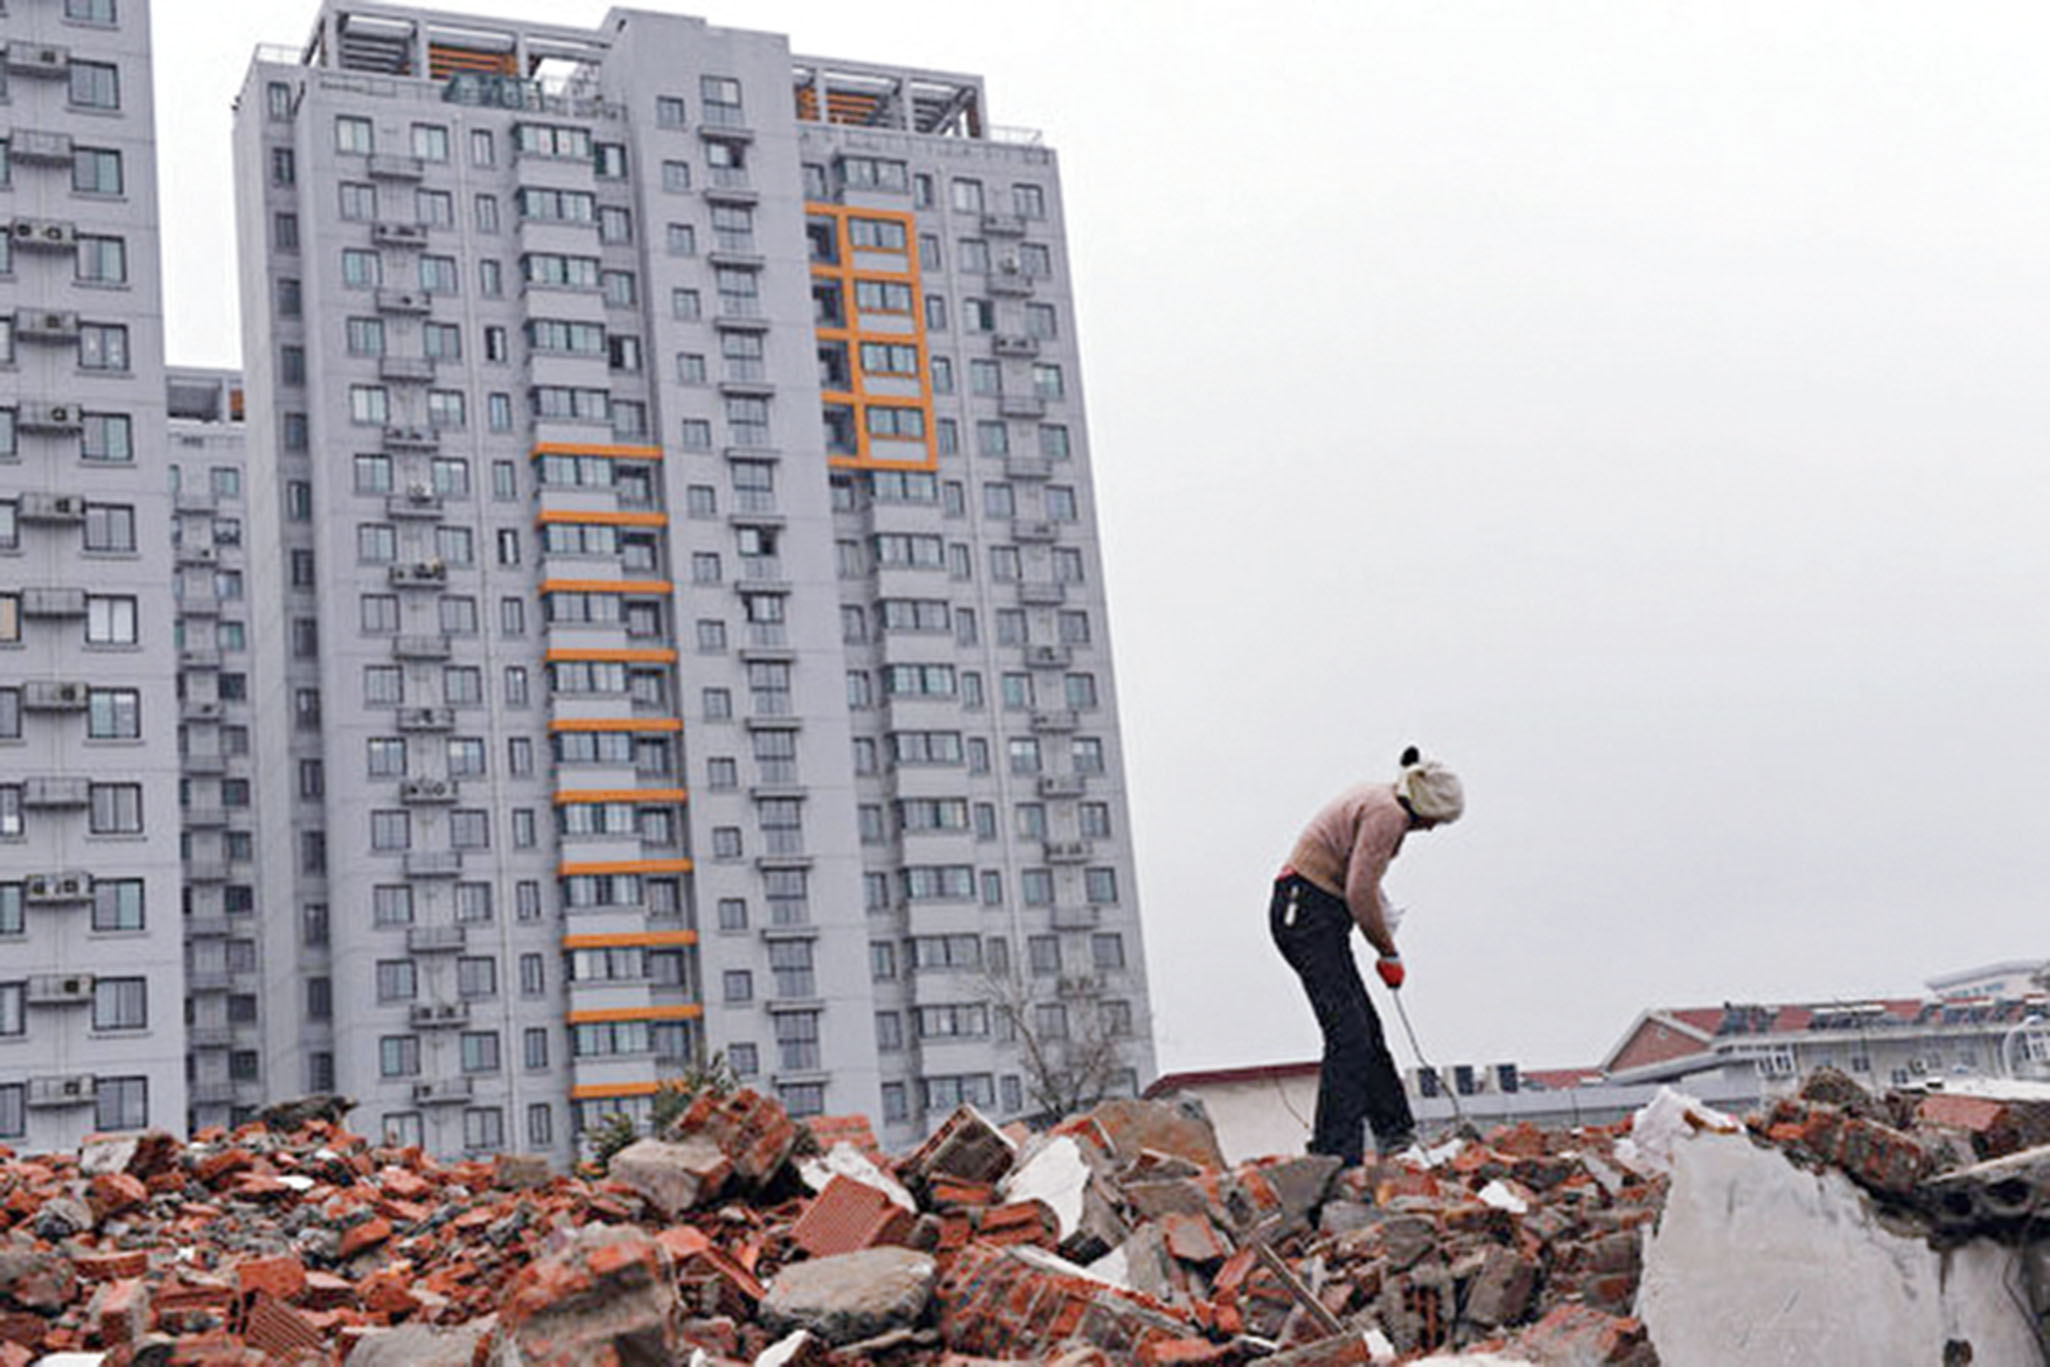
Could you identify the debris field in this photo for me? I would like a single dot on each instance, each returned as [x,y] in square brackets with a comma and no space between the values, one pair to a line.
[739,1235]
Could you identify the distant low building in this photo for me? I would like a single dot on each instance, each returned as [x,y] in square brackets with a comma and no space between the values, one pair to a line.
[1267,1108]
[1976,1027]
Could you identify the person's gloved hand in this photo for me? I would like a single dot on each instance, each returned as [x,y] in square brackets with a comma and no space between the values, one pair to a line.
[1389,966]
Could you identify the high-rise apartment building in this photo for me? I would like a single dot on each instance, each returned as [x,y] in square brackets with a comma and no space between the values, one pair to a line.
[91,985]
[683,628]
[225,989]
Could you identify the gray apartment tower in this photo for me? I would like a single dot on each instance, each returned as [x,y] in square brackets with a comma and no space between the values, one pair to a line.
[651,611]
[91,985]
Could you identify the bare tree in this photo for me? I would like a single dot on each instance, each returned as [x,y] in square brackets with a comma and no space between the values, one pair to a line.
[1072,1037]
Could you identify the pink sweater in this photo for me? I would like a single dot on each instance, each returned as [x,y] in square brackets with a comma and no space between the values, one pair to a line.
[1346,847]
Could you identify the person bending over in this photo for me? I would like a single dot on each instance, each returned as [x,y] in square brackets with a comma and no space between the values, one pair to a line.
[1331,883]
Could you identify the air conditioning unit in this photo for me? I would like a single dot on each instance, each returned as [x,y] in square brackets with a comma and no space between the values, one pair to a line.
[38,59]
[47,233]
[52,324]
[53,601]
[59,989]
[33,145]
[49,417]
[420,491]
[1009,264]
[70,886]
[39,506]
[80,1089]
[426,790]
[55,695]
[201,555]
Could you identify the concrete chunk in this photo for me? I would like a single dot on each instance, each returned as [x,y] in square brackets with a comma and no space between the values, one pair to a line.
[851,1296]
[675,1176]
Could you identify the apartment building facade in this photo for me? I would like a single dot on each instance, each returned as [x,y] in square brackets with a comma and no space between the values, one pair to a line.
[91,983]
[667,459]
[219,785]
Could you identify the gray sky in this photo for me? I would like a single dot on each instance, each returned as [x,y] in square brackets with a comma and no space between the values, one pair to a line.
[1640,405]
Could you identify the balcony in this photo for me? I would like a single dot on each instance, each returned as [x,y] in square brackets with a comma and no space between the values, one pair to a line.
[442,1091]
[208,980]
[206,870]
[1076,918]
[426,718]
[213,1093]
[433,863]
[415,792]
[404,302]
[439,1015]
[406,369]
[1021,406]
[1027,468]
[398,234]
[395,166]
[1014,344]
[195,501]
[1048,657]
[205,818]
[1062,785]
[1055,721]
[1068,851]
[1010,282]
[420,501]
[418,574]
[436,939]
[209,1036]
[422,648]
[1035,531]
[402,439]
[1003,225]
[199,603]
[1038,593]
[208,927]
[761,572]
[204,763]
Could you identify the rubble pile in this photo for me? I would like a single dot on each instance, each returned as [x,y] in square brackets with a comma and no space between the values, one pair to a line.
[738,1235]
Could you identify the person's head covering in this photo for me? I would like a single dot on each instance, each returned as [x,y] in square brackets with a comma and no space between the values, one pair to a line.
[1429,789]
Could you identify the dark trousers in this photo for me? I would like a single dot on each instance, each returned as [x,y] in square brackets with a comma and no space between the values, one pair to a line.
[1358,1081]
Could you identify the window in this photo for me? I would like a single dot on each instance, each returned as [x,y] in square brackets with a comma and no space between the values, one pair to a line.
[110,620]
[438,275]
[430,142]
[437,209]
[390,830]
[103,260]
[1046,381]
[1100,886]
[1107,952]
[719,98]
[1028,201]
[109,527]
[121,1103]
[116,808]
[102,346]
[476,977]
[354,134]
[738,985]
[96,171]
[398,1056]
[966,196]
[114,713]
[358,201]
[1044,954]
[117,904]
[483,148]
[95,85]
[361,269]
[479,1051]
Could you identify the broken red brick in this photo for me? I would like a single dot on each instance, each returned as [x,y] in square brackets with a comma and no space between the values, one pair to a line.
[849,1215]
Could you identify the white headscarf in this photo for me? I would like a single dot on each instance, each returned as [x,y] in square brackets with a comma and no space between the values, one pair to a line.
[1432,791]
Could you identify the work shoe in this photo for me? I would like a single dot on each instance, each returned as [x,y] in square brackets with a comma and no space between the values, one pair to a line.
[1388,1146]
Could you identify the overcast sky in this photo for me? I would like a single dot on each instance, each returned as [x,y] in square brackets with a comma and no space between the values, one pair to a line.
[1642,406]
